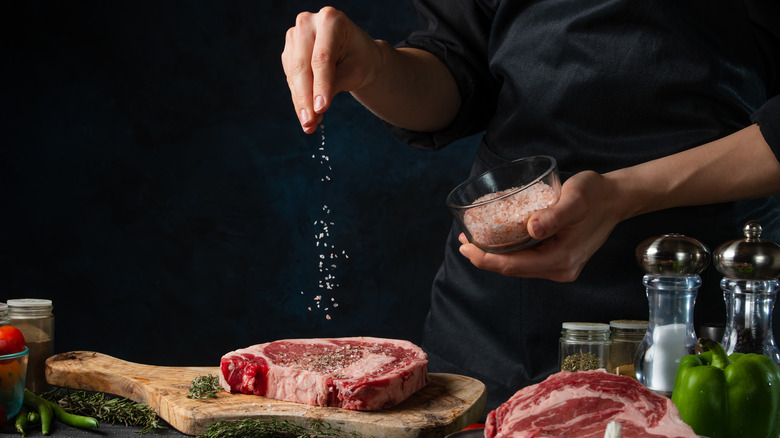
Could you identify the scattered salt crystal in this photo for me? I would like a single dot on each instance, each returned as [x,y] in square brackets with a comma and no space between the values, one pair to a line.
[328,281]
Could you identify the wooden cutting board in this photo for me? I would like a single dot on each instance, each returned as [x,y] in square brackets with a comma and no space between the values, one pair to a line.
[449,403]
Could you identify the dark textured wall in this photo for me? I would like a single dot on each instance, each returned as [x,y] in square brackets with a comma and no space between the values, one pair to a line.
[156,186]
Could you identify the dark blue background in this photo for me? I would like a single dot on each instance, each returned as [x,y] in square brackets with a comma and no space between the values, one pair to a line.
[157,187]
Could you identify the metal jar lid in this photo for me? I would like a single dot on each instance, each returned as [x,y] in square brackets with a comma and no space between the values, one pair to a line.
[751,258]
[672,254]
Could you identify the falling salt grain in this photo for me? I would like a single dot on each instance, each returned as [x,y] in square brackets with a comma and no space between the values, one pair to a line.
[328,281]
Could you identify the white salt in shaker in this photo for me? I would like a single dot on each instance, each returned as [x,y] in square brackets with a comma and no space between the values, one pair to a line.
[673,263]
[34,318]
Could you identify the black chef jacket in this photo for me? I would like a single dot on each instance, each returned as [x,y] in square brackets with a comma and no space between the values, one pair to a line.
[600,85]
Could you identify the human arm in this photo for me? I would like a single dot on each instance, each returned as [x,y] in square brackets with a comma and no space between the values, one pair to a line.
[326,53]
[738,166]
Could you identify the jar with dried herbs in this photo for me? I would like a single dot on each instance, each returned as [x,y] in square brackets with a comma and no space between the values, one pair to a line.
[584,346]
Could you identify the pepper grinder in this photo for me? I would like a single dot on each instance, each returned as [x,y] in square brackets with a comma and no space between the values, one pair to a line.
[750,268]
[672,263]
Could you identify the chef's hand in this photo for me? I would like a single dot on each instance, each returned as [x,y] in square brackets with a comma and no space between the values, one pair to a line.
[591,204]
[324,54]
[574,228]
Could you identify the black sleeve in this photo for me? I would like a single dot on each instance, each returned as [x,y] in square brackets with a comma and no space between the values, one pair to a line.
[765,16]
[768,119]
[457,32]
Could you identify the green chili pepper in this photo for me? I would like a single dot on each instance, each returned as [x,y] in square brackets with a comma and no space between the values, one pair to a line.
[43,407]
[33,418]
[22,422]
[723,396]
[73,419]
[47,409]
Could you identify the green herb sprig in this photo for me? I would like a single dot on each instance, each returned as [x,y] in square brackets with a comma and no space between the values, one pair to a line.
[271,428]
[204,387]
[108,409]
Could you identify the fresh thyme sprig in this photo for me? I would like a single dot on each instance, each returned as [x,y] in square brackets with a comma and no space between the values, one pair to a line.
[270,428]
[107,409]
[204,387]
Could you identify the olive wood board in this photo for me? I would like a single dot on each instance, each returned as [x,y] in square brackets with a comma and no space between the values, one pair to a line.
[447,404]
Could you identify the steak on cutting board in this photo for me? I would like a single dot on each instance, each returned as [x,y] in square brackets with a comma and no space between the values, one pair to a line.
[581,405]
[359,373]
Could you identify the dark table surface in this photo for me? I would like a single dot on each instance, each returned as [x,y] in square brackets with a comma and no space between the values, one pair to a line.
[59,429]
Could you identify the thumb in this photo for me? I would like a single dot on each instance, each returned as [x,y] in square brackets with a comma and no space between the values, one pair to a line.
[546,222]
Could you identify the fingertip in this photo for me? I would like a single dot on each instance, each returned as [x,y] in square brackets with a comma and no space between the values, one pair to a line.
[320,104]
[536,229]
[464,250]
[303,117]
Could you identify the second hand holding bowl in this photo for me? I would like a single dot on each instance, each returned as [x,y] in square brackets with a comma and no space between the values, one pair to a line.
[493,208]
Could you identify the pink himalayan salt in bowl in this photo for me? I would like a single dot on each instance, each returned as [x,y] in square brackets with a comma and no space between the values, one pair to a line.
[493,208]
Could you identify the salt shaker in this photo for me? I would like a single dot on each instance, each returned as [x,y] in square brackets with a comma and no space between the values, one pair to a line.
[750,268]
[672,263]
[34,318]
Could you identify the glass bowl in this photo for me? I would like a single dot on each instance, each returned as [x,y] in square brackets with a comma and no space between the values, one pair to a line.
[493,208]
[13,373]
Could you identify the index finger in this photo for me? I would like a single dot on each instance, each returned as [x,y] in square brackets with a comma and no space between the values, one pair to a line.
[326,52]
[296,60]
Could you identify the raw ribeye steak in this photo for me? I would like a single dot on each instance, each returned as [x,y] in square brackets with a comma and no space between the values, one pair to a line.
[582,405]
[353,373]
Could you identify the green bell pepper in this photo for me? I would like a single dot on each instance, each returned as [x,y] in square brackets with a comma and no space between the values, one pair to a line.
[723,396]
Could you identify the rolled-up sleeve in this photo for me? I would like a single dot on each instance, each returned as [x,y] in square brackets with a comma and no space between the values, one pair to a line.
[765,17]
[768,119]
[457,32]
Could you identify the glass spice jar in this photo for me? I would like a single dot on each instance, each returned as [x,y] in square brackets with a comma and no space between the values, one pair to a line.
[584,346]
[4,315]
[34,318]
[626,336]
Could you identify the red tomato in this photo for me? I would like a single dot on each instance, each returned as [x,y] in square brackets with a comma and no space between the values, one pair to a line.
[11,340]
